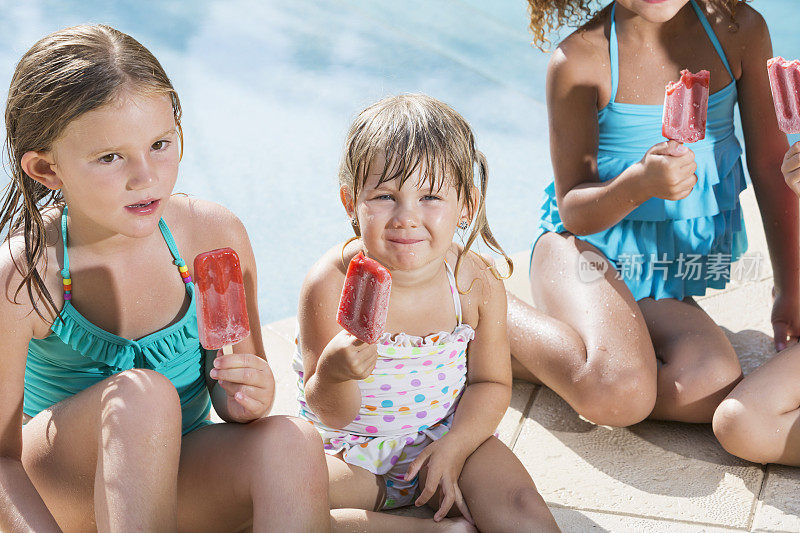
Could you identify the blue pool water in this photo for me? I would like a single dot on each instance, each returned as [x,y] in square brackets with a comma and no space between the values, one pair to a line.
[269,88]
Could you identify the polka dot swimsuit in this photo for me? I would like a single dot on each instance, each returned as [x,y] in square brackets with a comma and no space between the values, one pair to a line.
[407,402]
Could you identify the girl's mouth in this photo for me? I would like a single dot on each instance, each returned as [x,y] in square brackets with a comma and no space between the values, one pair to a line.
[143,208]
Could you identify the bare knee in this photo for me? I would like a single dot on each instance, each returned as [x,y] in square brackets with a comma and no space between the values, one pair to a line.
[141,401]
[699,389]
[287,443]
[617,397]
[738,427]
[527,511]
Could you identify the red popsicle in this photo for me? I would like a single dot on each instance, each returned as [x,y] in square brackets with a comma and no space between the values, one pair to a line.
[221,301]
[784,80]
[686,107]
[365,299]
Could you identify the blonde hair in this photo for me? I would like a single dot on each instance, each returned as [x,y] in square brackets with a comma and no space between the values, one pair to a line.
[415,131]
[550,15]
[61,77]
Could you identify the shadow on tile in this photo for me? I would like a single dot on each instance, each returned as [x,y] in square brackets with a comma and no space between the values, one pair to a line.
[573,520]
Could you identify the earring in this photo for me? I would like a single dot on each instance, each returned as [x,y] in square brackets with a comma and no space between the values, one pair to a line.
[463,224]
[354,222]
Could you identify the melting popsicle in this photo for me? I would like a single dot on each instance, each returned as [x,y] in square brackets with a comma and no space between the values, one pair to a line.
[221,302]
[365,299]
[686,107]
[784,80]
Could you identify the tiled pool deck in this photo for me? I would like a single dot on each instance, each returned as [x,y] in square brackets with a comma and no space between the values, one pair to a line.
[654,476]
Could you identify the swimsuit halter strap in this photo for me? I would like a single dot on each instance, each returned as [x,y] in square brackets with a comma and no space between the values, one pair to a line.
[613,45]
[712,36]
[454,291]
[165,232]
[613,52]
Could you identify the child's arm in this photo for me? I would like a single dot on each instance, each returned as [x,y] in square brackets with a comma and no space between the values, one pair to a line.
[333,360]
[484,400]
[241,385]
[587,205]
[765,147]
[22,507]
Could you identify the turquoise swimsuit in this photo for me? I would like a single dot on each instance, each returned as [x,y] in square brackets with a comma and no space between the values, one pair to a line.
[664,248]
[78,354]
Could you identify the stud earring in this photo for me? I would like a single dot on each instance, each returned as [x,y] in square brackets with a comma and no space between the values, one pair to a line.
[463,224]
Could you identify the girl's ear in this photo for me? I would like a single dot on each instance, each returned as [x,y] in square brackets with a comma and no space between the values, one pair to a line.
[39,166]
[346,195]
[468,208]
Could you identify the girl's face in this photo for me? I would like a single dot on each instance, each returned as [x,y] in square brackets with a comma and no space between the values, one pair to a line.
[117,164]
[654,10]
[406,227]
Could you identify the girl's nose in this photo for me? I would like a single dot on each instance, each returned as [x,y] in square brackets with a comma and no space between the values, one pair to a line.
[142,176]
[405,217]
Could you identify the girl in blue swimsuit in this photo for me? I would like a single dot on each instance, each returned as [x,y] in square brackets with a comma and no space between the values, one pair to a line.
[633,227]
[105,390]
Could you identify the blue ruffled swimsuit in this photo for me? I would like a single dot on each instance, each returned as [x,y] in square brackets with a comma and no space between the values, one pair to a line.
[665,248]
[78,354]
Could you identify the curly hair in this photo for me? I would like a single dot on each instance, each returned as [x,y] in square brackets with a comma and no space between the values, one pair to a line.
[550,15]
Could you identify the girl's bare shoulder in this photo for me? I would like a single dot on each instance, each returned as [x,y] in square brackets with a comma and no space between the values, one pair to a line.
[748,34]
[200,225]
[322,286]
[16,301]
[477,278]
[328,272]
[582,58]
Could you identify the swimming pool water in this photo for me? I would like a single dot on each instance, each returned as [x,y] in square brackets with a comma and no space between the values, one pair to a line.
[269,88]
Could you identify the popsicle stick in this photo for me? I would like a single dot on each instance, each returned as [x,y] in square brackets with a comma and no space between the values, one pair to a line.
[227,349]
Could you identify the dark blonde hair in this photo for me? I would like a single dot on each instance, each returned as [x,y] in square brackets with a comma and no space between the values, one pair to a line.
[415,131]
[61,77]
[550,15]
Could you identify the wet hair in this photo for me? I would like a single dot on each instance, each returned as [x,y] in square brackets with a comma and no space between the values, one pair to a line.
[550,15]
[62,76]
[414,131]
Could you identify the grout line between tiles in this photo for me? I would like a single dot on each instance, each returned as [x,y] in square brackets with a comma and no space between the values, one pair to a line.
[643,517]
[524,415]
[757,500]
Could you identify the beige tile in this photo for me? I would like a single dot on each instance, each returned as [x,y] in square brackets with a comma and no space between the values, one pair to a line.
[575,521]
[285,327]
[779,505]
[653,470]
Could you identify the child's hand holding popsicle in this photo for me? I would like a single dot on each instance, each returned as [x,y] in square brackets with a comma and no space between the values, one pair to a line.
[223,321]
[669,167]
[668,171]
[784,81]
[364,304]
[791,168]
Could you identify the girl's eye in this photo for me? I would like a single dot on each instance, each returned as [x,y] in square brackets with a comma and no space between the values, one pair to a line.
[431,197]
[159,145]
[384,197]
[108,158]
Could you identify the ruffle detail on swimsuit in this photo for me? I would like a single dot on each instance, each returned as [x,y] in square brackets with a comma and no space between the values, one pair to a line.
[379,454]
[152,351]
[461,333]
[674,249]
